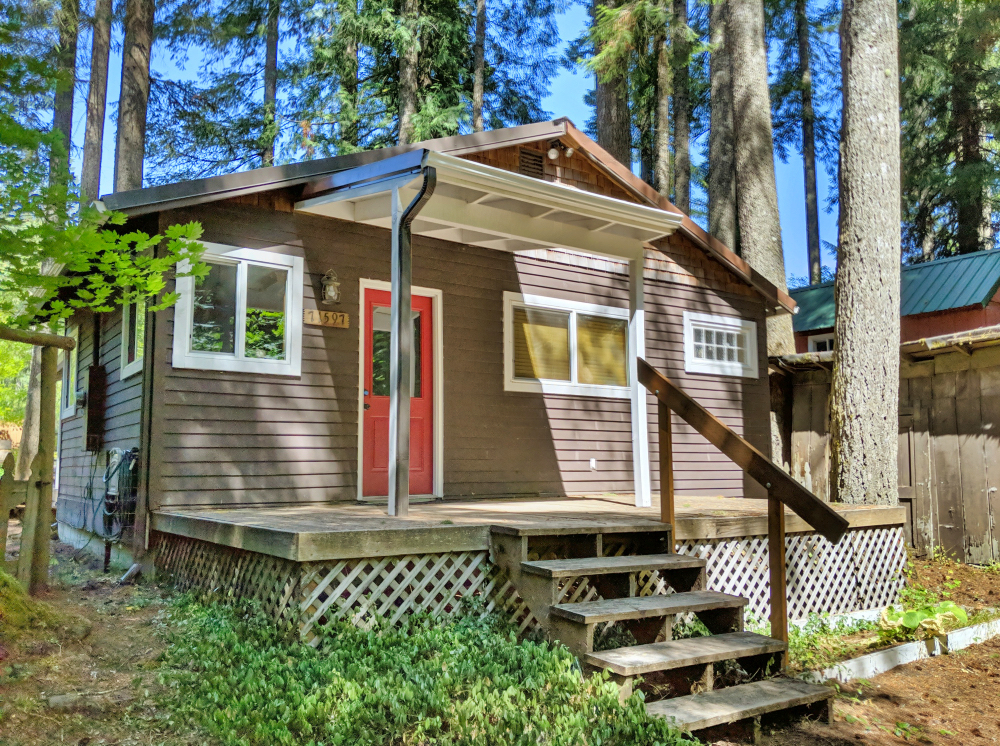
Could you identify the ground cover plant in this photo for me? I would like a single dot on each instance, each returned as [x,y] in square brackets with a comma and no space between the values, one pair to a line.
[466,680]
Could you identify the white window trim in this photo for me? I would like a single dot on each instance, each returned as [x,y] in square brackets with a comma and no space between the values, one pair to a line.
[71,358]
[814,338]
[184,357]
[570,388]
[126,368]
[720,367]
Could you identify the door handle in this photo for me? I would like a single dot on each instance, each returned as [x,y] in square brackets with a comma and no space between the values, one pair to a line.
[367,405]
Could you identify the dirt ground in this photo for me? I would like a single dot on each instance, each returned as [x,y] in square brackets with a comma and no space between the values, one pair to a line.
[952,699]
[105,684]
[979,589]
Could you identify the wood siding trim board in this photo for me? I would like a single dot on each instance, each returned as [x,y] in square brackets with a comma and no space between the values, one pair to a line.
[546,442]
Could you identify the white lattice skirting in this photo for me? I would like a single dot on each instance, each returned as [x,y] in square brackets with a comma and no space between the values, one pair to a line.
[864,571]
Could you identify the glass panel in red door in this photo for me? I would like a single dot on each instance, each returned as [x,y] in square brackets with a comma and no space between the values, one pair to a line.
[375,457]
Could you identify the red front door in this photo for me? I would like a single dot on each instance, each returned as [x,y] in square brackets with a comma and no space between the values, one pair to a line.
[375,459]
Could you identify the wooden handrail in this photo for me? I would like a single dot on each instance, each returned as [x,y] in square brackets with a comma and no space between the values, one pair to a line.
[39,339]
[782,490]
[778,483]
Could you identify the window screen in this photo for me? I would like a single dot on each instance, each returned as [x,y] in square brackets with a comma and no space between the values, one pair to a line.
[541,344]
[601,345]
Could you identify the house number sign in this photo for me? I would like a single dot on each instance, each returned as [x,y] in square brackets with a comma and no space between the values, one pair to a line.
[315,317]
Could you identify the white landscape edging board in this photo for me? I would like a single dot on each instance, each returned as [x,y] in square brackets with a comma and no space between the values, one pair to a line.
[881,661]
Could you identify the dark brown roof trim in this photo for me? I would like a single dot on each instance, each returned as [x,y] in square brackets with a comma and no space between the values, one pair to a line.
[227,186]
[689,228]
[197,191]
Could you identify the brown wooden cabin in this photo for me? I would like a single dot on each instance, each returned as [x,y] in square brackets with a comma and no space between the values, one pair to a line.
[476,322]
[521,265]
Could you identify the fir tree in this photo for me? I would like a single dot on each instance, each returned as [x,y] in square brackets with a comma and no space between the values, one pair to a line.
[950,96]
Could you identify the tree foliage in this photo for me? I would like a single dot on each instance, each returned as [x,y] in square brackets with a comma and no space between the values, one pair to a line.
[338,77]
[59,257]
[950,111]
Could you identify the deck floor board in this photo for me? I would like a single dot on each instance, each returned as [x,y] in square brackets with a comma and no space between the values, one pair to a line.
[339,530]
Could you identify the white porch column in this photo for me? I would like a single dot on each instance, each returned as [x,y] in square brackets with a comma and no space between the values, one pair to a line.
[637,349]
[400,350]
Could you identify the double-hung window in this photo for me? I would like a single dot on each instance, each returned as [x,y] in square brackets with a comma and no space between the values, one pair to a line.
[244,316]
[70,362]
[133,337]
[558,346]
[720,345]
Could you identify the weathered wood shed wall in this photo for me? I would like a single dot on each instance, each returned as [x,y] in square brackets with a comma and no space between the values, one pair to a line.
[949,448]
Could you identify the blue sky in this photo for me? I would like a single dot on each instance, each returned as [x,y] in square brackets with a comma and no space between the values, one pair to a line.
[566,99]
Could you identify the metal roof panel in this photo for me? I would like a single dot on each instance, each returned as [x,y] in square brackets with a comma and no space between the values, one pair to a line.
[956,282]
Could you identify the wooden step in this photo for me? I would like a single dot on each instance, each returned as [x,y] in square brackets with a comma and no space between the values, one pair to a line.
[567,568]
[699,711]
[644,607]
[693,651]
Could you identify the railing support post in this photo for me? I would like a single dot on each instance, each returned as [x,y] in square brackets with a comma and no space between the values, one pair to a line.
[666,468]
[33,562]
[776,559]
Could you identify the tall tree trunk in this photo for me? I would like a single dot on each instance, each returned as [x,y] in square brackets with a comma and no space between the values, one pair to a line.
[614,125]
[130,147]
[479,67]
[682,108]
[756,190]
[664,84]
[349,77]
[757,193]
[271,83]
[969,159]
[409,58]
[808,142]
[927,229]
[68,21]
[721,164]
[32,416]
[864,400]
[97,101]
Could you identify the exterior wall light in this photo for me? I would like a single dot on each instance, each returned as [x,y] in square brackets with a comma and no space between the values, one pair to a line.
[553,153]
[331,288]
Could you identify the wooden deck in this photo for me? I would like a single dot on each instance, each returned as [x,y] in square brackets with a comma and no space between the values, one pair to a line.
[314,532]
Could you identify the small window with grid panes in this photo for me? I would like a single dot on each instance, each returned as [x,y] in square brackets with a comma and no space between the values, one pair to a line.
[720,345]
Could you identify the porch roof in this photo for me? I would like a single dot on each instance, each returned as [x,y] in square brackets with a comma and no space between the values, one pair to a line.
[485,206]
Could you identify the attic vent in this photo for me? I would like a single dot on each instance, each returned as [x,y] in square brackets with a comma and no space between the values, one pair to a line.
[531,163]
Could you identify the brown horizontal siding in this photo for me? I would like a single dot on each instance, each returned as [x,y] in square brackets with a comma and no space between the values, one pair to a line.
[81,485]
[239,438]
[741,403]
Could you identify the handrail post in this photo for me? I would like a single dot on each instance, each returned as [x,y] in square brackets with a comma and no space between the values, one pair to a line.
[33,562]
[776,562]
[666,469]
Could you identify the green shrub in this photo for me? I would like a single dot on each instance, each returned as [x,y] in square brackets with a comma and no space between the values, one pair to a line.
[822,641]
[920,622]
[467,680]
